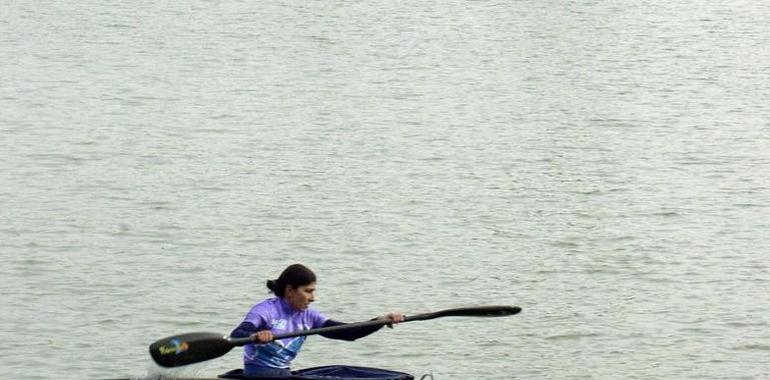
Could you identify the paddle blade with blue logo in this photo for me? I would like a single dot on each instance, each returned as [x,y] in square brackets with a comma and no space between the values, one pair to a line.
[184,349]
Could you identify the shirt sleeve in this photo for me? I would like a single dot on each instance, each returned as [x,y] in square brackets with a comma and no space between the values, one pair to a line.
[351,334]
[254,321]
[317,319]
[243,330]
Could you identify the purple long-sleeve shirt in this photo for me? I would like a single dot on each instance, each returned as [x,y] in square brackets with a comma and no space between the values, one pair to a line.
[276,315]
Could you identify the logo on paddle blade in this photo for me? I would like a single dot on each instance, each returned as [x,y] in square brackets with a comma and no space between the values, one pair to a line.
[175,347]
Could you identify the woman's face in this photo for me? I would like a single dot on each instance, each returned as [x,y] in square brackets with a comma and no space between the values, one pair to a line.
[300,297]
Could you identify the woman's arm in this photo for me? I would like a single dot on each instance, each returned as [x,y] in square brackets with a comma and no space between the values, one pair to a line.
[351,334]
[248,329]
[243,330]
[360,332]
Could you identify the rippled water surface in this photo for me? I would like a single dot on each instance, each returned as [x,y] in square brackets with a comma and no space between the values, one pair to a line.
[603,165]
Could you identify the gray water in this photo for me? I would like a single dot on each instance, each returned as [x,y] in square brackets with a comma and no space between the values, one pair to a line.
[603,165]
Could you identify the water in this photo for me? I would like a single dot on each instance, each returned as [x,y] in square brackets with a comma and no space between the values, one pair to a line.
[602,165]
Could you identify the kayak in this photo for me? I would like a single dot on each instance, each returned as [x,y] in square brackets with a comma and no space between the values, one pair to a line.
[336,372]
[331,372]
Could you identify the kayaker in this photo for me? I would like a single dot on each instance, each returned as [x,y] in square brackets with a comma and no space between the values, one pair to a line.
[286,312]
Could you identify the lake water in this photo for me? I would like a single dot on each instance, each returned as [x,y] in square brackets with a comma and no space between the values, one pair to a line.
[603,165]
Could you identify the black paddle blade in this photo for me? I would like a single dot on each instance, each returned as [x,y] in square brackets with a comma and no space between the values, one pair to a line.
[478,311]
[190,348]
[481,311]
[484,311]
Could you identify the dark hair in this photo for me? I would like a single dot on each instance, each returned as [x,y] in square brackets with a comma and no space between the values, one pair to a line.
[295,275]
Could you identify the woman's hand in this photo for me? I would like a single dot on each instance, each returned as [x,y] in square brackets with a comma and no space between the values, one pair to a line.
[262,337]
[393,317]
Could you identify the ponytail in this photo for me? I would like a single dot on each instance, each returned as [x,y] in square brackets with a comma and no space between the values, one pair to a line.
[271,285]
[295,275]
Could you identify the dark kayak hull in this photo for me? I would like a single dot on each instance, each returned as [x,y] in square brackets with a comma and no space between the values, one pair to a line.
[336,372]
[332,372]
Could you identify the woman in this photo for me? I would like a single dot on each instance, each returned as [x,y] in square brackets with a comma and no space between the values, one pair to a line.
[288,311]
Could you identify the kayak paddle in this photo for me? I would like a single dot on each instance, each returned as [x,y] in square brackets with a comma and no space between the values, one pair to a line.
[191,348]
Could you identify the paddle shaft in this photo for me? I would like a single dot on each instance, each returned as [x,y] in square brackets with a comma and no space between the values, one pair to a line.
[191,348]
[321,330]
[483,311]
